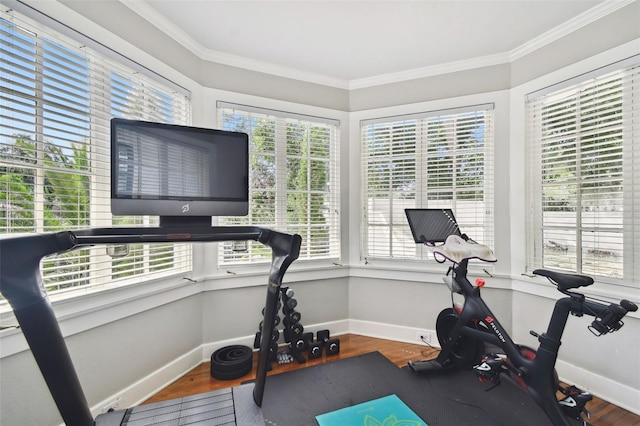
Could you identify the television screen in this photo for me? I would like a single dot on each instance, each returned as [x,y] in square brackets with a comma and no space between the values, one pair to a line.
[169,170]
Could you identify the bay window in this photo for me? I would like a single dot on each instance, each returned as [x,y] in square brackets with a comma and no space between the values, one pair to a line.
[584,186]
[57,95]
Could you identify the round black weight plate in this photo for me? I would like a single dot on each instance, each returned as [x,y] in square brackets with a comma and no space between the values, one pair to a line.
[231,362]
[467,350]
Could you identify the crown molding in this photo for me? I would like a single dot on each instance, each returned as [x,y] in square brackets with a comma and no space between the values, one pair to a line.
[148,13]
[430,71]
[597,12]
[142,8]
[273,69]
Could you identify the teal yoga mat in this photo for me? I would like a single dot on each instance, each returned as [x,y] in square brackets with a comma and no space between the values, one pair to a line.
[385,411]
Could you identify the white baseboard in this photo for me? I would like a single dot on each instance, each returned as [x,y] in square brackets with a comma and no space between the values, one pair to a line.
[146,387]
[398,333]
[142,389]
[603,387]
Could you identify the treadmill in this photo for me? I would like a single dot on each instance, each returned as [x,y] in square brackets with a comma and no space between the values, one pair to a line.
[21,284]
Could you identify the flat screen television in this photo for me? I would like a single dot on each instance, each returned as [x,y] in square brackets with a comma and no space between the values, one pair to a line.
[176,171]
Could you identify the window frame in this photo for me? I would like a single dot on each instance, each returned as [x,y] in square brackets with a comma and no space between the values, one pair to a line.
[101,64]
[419,253]
[281,121]
[631,181]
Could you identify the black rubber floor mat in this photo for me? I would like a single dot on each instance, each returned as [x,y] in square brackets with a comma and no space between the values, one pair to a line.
[451,399]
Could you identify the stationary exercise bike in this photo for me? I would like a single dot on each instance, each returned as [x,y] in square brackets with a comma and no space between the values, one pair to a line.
[468,330]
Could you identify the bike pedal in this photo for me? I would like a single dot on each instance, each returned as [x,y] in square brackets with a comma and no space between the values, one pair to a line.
[489,370]
[573,404]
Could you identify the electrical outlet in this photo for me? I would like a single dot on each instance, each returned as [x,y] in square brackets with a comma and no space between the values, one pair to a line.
[112,406]
[423,336]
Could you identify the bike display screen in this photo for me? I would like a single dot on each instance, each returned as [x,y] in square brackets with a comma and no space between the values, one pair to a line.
[432,225]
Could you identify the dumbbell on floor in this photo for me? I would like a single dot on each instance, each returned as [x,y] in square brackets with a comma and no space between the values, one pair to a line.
[331,346]
[275,335]
[301,344]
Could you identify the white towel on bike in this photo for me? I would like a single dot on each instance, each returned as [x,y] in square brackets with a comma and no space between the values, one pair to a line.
[457,249]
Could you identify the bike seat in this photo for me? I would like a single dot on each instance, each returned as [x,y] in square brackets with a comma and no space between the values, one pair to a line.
[565,281]
[456,249]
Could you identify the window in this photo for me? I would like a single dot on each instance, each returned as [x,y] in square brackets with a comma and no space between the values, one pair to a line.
[294,181]
[439,159]
[583,144]
[57,95]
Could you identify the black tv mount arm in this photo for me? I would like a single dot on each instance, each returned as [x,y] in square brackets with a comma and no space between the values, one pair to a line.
[21,284]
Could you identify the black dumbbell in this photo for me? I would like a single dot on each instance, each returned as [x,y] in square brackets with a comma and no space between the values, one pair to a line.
[287,300]
[301,344]
[292,318]
[276,321]
[289,306]
[296,330]
[273,351]
[295,316]
[331,346]
[275,335]
[256,341]
[292,332]
[315,350]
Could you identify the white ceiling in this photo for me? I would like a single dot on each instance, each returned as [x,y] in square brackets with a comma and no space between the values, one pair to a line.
[347,43]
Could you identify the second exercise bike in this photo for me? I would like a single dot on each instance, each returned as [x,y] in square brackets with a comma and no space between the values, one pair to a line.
[470,335]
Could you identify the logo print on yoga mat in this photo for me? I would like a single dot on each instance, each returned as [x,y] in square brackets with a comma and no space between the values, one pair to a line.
[389,421]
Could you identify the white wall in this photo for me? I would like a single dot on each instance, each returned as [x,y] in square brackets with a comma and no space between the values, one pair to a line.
[130,342]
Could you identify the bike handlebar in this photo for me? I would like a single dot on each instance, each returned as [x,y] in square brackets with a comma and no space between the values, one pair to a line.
[611,319]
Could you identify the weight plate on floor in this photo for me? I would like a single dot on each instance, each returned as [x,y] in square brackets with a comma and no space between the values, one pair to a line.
[231,362]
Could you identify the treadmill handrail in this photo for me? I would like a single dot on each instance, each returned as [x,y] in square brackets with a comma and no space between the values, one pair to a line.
[21,284]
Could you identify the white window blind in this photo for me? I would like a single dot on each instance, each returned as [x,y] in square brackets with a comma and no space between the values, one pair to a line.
[584,195]
[439,159]
[294,180]
[57,95]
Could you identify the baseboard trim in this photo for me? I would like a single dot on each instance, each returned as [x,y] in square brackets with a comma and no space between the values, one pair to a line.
[603,387]
[144,388]
[399,333]
[138,392]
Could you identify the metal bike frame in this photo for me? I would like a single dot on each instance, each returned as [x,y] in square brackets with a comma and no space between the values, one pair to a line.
[537,373]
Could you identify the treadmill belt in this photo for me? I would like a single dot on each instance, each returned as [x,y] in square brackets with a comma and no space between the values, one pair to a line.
[225,407]
[213,408]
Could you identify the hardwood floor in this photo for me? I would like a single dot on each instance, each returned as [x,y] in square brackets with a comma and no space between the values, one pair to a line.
[199,379]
